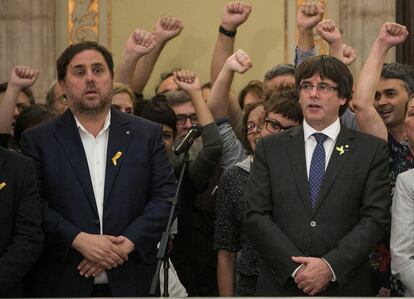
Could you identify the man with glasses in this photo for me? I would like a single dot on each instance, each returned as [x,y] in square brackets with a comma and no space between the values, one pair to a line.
[318,194]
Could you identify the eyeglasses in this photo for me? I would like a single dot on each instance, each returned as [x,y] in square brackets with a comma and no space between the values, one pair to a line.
[321,87]
[275,127]
[253,128]
[182,118]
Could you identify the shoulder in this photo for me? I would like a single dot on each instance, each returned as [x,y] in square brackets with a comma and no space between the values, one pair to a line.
[406,177]
[135,121]
[14,158]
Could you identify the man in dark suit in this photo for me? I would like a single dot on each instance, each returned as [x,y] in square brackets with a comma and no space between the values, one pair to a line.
[105,179]
[21,236]
[318,195]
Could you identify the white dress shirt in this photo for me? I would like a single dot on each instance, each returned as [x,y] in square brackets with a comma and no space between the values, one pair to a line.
[96,151]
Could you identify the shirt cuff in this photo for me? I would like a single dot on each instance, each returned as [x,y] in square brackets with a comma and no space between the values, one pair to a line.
[333,273]
[296,270]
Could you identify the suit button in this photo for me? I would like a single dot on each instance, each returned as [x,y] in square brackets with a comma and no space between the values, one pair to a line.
[96,221]
[313,223]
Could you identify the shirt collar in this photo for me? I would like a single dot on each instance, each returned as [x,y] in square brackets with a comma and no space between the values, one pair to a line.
[332,131]
[105,127]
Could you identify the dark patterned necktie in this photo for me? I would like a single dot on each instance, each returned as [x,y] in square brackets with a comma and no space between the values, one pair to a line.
[317,168]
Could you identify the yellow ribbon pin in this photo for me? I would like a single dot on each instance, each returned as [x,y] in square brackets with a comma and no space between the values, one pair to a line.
[2,185]
[116,157]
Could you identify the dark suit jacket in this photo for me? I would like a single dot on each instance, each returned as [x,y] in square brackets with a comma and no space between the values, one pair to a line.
[21,236]
[344,227]
[136,205]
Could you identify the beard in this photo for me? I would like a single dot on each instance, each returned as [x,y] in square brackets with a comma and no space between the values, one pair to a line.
[91,106]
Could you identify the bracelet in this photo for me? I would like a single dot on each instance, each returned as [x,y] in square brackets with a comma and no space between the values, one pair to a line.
[228,33]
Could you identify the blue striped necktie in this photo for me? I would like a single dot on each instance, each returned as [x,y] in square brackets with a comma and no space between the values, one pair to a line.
[317,168]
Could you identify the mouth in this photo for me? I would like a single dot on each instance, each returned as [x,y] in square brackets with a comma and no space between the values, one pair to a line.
[91,92]
[385,113]
[314,107]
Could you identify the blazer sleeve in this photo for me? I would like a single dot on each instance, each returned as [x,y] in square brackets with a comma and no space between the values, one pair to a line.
[145,230]
[27,240]
[354,248]
[402,228]
[272,244]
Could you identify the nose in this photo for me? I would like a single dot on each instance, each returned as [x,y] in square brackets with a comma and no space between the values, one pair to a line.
[382,100]
[188,123]
[314,91]
[16,113]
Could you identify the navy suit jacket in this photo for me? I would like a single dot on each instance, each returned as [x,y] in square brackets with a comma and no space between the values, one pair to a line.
[21,236]
[349,219]
[135,205]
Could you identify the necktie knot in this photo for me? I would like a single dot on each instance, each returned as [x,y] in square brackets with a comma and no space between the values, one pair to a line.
[320,137]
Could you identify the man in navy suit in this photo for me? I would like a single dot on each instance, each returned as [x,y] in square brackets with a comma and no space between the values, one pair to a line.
[21,235]
[318,194]
[105,180]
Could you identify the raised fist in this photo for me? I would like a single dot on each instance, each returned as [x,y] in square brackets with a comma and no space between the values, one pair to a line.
[167,28]
[328,31]
[140,42]
[23,76]
[392,34]
[309,15]
[239,62]
[349,55]
[187,80]
[235,14]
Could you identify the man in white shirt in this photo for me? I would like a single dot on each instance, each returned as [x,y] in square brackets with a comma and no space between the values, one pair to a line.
[318,194]
[105,180]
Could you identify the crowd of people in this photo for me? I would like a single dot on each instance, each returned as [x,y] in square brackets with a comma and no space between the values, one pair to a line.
[300,183]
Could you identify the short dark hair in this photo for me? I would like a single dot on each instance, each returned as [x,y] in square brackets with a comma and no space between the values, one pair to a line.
[284,100]
[255,86]
[27,91]
[248,109]
[403,72]
[206,85]
[331,68]
[70,52]
[157,110]
[280,70]
[30,117]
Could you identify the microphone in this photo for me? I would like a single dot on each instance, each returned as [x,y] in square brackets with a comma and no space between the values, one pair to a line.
[188,139]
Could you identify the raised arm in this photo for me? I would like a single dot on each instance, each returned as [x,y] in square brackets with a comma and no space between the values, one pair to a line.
[166,28]
[219,95]
[368,119]
[21,77]
[139,43]
[329,32]
[235,14]
[308,16]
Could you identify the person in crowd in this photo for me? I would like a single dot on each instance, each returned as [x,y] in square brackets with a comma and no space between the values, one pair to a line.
[21,237]
[251,93]
[192,254]
[105,183]
[158,111]
[280,75]
[123,98]
[380,100]
[402,221]
[30,117]
[318,194]
[15,96]
[55,99]
[281,111]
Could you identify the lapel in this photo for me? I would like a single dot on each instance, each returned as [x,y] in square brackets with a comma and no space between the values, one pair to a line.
[336,163]
[67,134]
[296,152]
[120,135]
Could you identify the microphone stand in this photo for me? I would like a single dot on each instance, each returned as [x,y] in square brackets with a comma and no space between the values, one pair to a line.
[162,255]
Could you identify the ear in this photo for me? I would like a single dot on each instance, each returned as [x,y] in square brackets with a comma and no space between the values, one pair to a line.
[62,86]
